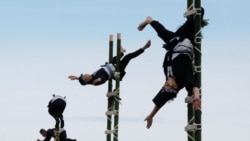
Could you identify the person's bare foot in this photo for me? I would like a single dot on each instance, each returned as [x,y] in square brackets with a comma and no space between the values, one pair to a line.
[122,50]
[147,45]
[142,25]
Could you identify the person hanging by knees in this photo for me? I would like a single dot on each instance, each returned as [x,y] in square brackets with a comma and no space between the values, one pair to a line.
[58,135]
[177,64]
[107,71]
[56,108]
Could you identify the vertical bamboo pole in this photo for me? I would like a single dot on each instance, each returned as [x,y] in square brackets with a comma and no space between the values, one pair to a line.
[116,117]
[190,113]
[197,5]
[194,117]
[110,99]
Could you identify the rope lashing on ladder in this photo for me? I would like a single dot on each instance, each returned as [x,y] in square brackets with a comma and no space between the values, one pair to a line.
[198,37]
[114,131]
[192,11]
[109,113]
[113,94]
[188,129]
[197,69]
[117,75]
[191,137]
[197,49]
[189,100]
[110,131]
[192,127]
[189,11]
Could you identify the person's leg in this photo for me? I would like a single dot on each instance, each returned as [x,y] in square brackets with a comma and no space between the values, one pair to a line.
[187,30]
[61,109]
[57,121]
[62,121]
[125,60]
[163,33]
[63,136]
[53,111]
[164,96]
[57,110]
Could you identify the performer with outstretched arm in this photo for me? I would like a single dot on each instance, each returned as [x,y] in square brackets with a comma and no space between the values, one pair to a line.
[177,65]
[107,71]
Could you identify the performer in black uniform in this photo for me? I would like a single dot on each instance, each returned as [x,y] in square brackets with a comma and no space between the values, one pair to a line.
[51,133]
[56,108]
[107,71]
[177,64]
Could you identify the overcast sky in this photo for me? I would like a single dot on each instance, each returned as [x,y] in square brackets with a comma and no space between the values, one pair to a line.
[44,41]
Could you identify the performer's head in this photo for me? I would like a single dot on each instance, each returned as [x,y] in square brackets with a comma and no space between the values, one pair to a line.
[86,78]
[43,132]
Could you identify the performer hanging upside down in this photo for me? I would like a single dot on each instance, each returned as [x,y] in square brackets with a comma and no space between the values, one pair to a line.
[177,65]
[56,108]
[52,133]
[107,71]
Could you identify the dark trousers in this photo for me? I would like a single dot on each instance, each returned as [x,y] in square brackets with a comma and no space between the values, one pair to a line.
[184,31]
[56,110]
[126,59]
[63,137]
[162,32]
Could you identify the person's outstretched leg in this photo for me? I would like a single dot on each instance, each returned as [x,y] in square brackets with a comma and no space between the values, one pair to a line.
[162,32]
[61,108]
[125,60]
[57,122]
[62,121]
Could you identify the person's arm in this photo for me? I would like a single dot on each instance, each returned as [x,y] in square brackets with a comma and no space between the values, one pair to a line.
[196,99]
[73,77]
[150,117]
[159,100]
[194,89]
[99,77]
[81,79]
[97,81]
